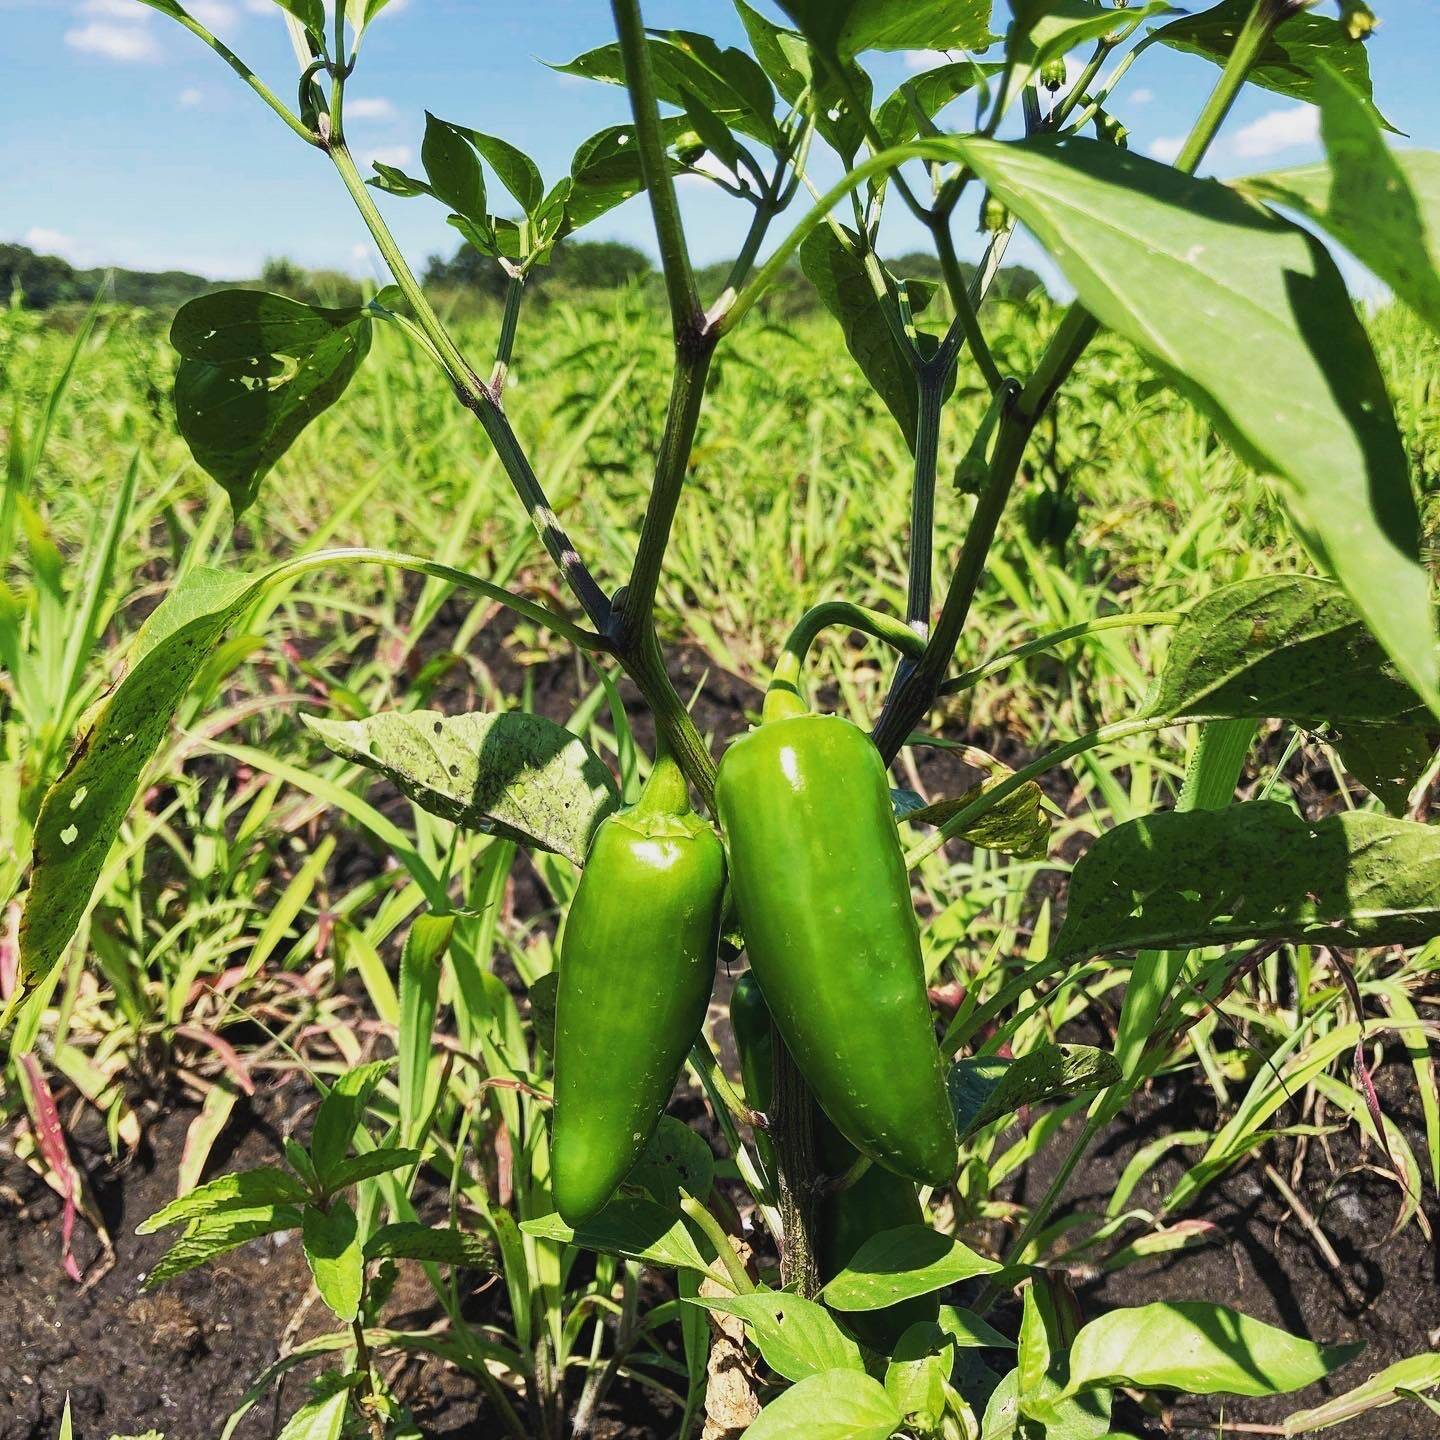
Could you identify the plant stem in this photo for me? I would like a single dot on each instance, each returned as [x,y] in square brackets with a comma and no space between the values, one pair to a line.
[792,1134]
[478,398]
[362,1361]
[740,1282]
[505,347]
[655,167]
[966,305]
[922,499]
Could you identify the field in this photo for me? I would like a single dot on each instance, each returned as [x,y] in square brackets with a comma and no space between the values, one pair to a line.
[246,930]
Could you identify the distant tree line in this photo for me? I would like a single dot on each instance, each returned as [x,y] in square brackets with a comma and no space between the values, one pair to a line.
[40,282]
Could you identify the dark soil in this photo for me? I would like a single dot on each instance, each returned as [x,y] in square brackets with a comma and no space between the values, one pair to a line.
[180,1360]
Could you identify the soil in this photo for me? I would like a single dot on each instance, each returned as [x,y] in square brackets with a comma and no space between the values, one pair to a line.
[180,1360]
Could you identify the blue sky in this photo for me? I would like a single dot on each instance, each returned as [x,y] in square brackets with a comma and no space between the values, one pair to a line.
[130,143]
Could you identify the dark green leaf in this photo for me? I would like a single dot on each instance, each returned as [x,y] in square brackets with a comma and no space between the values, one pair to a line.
[1290,61]
[848,27]
[969,1331]
[517,172]
[397,182]
[409,1240]
[204,1239]
[838,1405]
[255,370]
[605,171]
[795,1336]
[1183,266]
[340,1113]
[1199,1348]
[509,773]
[1283,647]
[244,1190]
[374,1162]
[918,1372]
[897,1264]
[310,13]
[1254,871]
[1015,826]
[839,276]
[82,810]
[1382,205]
[1388,760]
[542,1008]
[928,93]
[452,168]
[676,1158]
[637,1229]
[985,1088]
[332,1249]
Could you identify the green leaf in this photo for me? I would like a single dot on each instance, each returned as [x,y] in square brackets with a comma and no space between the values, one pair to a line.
[453,169]
[425,947]
[1388,760]
[380,1161]
[1382,205]
[517,172]
[917,1373]
[310,13]
[83,809]
[839,275]
[1255,871]
[929,93]
[208,1237]
[1181,267]
[255,370]
[633,1228]
[396,182]
[897,1264]
[796,1337]
[340,1113]
[675,1158]
[1284,647]
[542,994]
[985,1088]
[322,1419]
[1015,826]
[443,1245]
[1385,1387]
[1081,1417]
[1197,1347]
[244,1190]
[332,1248]
[838,1405]
[605,172]
[848,27]
[1291,59]
[508,773]
[969,1331]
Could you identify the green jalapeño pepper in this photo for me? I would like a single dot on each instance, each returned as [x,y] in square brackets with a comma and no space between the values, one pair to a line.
[820,884]
[637,963]
[847,1218]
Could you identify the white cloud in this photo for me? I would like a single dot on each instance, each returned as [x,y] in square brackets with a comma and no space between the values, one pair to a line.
[369,108]
[1278,130]
[48,242]
[925,59]
[212,14]
[1142,96]
[397,155]
[190,97]
[1167,148]
[262,7]
[115,9]
[126,43]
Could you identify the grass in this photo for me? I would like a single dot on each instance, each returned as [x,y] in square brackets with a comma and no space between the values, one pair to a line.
[229,876]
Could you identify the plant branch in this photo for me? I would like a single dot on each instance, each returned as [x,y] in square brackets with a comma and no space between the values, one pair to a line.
[931,391]
[660,184]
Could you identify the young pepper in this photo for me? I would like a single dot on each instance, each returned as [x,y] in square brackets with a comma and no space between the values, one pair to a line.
[637,963]
[824,899]
[878,1200]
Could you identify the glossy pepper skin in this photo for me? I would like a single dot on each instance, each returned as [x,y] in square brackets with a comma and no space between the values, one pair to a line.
[637,963]
[878,1200]
[820,884]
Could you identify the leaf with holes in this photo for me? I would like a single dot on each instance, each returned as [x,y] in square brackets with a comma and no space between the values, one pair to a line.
[676,1158]
[1015,826]
[1255,871]
[510,773]
[255,370]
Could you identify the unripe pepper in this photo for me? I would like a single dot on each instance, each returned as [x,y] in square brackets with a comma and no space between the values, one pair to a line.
[846,1219]
[821,888]
[637,963]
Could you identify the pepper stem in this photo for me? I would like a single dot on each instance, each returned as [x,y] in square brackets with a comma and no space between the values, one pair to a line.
[665,791]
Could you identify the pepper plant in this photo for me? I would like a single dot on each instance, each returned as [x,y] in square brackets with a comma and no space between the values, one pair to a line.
[858,1124]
